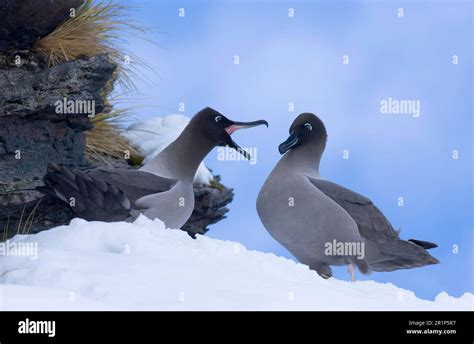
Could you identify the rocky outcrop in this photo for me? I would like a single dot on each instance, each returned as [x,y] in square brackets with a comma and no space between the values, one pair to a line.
[29,91]
[31,131]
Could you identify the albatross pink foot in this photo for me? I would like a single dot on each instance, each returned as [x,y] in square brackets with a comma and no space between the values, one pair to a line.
[351,270]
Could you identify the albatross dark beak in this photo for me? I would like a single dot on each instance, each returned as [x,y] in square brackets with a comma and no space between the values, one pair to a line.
[291,141]
[242,125]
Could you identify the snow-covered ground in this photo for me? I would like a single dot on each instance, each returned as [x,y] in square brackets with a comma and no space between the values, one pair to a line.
[19,297]
[143,266]
[153,135]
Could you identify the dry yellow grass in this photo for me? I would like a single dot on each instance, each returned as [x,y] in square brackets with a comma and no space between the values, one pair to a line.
[105,139]
[98,27]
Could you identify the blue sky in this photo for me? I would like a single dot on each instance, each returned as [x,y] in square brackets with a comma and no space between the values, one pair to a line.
[299,60]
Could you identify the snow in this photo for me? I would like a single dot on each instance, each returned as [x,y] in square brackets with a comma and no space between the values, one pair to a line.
[25,298]
[153,135]
[144,266]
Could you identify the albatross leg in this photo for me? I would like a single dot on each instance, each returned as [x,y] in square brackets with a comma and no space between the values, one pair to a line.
[351,270]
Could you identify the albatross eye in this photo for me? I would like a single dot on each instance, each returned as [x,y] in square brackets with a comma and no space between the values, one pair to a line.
[308,126]
[218,118]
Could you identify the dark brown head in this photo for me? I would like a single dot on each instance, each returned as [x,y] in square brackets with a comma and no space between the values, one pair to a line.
[218,129]
[307,130]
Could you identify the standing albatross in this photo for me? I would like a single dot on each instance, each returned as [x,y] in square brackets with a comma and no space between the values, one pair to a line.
[162,188]
[322,223]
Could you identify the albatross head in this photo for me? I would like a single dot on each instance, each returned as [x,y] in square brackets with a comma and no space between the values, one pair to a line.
[218,128]
[307,130]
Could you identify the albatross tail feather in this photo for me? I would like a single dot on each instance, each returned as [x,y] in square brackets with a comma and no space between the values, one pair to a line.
[89,198]
[425,244]
[401,254]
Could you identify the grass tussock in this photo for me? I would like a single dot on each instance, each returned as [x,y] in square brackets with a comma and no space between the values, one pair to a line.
[98,27]
[105,139]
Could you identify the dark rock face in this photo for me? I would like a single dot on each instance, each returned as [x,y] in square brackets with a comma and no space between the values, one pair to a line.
[26,93]
[22,22]
[27,145]
[31,216]
[32,132]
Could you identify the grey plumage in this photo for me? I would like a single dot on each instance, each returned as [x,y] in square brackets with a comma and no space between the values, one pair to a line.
[308,214]
[102,194]
[392,252]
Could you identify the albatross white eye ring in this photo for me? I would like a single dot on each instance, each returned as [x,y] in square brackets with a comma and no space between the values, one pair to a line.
[308,126]
[218,118]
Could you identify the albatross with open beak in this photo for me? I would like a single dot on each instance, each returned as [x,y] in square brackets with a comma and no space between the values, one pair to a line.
[163,188]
